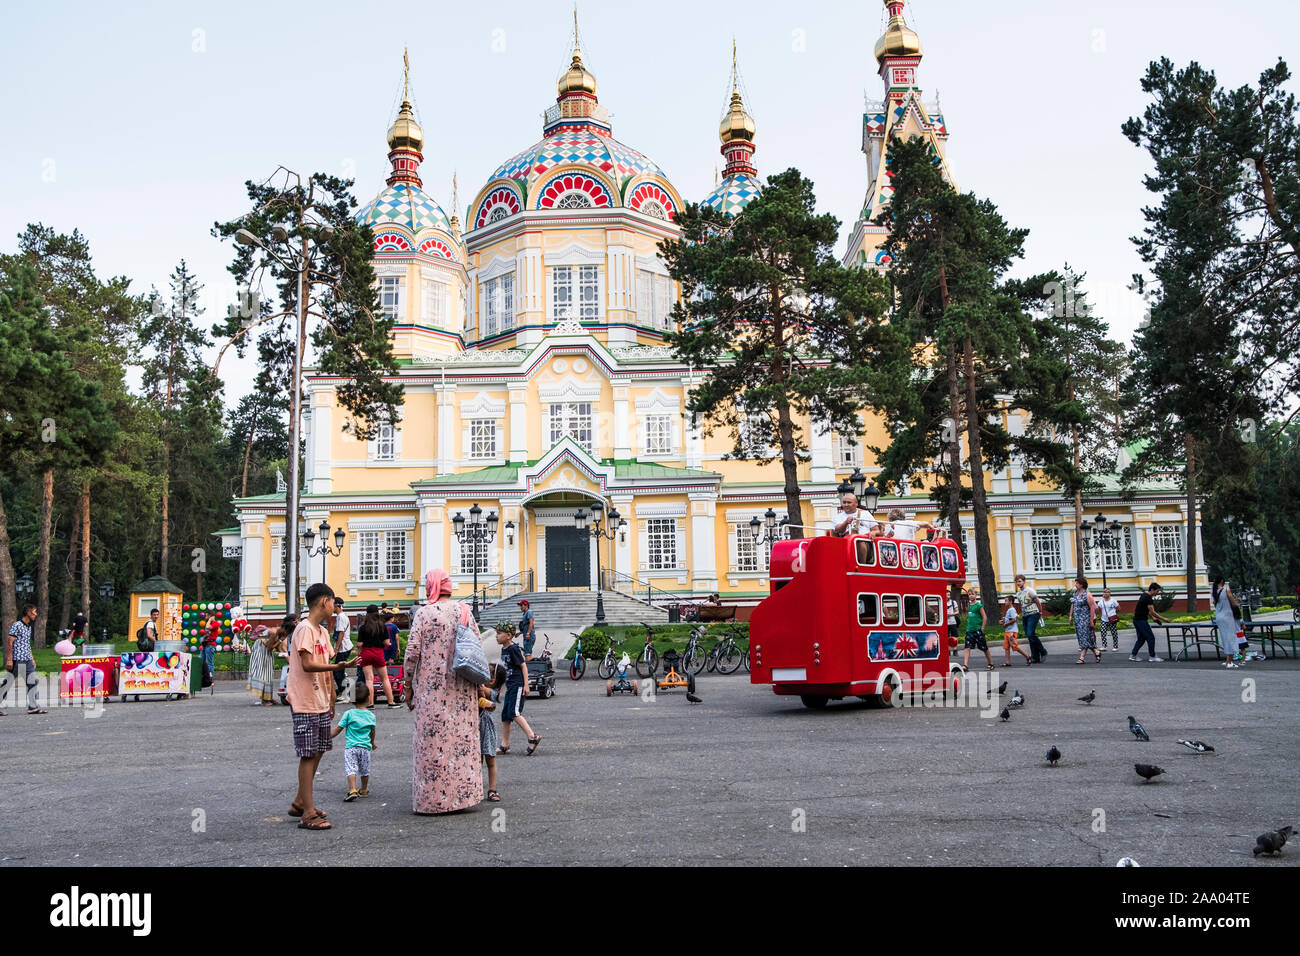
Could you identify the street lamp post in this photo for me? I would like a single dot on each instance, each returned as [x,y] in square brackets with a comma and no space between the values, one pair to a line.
[323,549]
[1102,537]
[106,591]
[298,261]
[477,531]
[590,524]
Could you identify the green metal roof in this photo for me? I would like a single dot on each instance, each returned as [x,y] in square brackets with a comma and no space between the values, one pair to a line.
[492,475]
[639,469]
[156,584]
[225,531]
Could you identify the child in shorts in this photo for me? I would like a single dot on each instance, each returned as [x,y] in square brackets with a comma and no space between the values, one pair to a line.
[1011,631]
[488,737]
[976,621]
[359,723]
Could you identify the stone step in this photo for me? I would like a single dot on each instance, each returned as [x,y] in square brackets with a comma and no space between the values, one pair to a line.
[573,610]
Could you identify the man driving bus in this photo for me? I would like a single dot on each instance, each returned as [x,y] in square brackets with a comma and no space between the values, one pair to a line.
[854,520]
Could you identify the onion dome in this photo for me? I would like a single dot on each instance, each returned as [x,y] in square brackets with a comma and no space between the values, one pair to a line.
[576,79]
[740,183]
[405,133]
[898,39]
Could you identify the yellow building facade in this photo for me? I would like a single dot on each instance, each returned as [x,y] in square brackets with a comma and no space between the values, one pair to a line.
[536,382]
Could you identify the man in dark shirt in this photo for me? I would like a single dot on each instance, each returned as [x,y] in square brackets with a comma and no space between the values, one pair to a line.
[1142,623]
[391,648]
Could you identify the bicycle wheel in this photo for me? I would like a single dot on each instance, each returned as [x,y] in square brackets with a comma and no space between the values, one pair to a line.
[729,657]
[606,668]
[648,662]
[577,668]
[711,659]
[745,657]
[694,659]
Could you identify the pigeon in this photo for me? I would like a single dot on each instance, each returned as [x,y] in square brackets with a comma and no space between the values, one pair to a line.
[1053,755]
[1088,698]
[1127,861]
[1147,770]
[692,698]
[1272,841]
[1199,746]
[1006,713]
[1137,729]
[1018,700]
[1002,688]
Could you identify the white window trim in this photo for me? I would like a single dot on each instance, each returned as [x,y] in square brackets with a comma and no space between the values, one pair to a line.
[577,286]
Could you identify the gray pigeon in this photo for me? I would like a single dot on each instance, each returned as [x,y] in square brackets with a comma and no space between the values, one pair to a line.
[1006,713]
[1147,770]
[1199,746]
[1053,755]
[1002,688]
[692,698]
[1018,700]
[1272,841]
[1137,729]
[1089,697]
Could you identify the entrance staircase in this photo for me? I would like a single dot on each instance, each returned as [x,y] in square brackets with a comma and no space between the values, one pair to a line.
[564,611]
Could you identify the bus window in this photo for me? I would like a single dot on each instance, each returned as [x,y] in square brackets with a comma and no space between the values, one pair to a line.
[866,551]
[933,608]
[890,615]
[950,559]
[888,554]
[929,557]
[912,610]
[868,610]
[911,557]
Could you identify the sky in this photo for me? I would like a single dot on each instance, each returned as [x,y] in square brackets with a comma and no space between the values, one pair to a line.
[138,123]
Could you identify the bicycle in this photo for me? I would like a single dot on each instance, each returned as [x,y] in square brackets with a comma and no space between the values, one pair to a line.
[729,654]
[693,658]
[578,666]
[609,665]
[648,660]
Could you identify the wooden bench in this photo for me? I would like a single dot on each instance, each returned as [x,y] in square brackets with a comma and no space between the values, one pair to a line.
[712,613]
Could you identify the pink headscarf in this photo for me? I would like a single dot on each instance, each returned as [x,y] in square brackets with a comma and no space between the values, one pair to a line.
[437,582]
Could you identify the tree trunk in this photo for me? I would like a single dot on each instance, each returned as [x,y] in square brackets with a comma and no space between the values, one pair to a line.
[983,550]
[165,491]
[86,587]
[789,465]
[1078,491]
[954,444]
[248,451]
[43,561]
[1188,443]
[70,564]
[8,580]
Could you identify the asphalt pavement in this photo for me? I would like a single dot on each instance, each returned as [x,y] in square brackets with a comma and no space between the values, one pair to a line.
[745,777]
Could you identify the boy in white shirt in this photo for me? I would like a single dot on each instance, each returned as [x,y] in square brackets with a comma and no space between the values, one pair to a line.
[1011,631]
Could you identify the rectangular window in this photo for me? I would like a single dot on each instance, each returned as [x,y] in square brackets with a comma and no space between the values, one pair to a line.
[1046,547]
[385,442]
[390,296]
[1168,539]
[571,418]
[434,306]
[750,555]
[468,551]
[654,299]
[1119,551]
[891,614]
[588,293]
[395,549]
[491,308]
[912,610]
[499,304]
[933,610]
[868,610]
[866,551]
[846,455]
[661,541]
[508,301]
[658,434]
[575,293]
[562,293]
[368,555]
[482,438]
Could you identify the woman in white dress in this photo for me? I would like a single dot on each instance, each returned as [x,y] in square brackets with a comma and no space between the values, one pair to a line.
[1226,620]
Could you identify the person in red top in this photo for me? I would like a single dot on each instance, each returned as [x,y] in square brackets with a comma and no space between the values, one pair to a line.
[311,695]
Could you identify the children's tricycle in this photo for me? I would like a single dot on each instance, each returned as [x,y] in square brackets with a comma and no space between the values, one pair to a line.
[622,682]
[673,677]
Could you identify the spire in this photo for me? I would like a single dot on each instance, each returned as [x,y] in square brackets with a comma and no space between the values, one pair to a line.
[576,80]
[737,129]
[405,138]
[455,204]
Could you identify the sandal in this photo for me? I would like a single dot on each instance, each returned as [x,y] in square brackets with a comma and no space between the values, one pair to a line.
[315,822]
[493,796]
[503,750]
[296,811]
[37,711]
[532,745]
[1079,661]
[990,668]
[352,795]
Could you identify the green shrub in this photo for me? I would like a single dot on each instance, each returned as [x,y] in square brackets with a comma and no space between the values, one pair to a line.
[594,643]
[1165,601]
[1056,601]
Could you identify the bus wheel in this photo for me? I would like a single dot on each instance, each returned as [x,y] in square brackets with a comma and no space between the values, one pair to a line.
[814,703]
[953,686]
[888,692]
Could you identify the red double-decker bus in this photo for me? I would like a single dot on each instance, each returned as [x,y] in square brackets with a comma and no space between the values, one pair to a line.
[856,617]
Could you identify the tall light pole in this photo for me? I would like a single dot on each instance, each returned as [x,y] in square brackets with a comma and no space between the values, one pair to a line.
[590,524]
[323,549]
[478,530]
[299,262]
[1102,536]
[106,591]
[765,531]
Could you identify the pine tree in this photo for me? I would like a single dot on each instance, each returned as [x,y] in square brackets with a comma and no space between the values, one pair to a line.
[778,327]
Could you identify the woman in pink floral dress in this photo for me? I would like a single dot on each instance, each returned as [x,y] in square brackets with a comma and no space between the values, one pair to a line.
[447,772]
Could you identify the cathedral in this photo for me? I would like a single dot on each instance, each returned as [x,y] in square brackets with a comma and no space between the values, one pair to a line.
[537,384]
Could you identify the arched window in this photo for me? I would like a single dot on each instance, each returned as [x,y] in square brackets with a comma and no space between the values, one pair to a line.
[652,208]
[574,199]
[498,213]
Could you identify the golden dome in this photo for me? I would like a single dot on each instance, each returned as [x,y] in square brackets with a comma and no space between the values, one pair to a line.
[737,124]
[405,133]
[576,79]
[898,39]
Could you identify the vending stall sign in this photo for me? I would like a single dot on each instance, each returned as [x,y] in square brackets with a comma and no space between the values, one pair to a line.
[154,673]
[82,678]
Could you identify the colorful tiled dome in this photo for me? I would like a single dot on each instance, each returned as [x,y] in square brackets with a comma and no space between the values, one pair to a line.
[406,205]
[734,193]
[580,144]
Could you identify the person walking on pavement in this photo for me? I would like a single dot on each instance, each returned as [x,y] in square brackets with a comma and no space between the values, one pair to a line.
[18,657]
[1142,623]
[1108,617]
[1031,612]
[1083,612]
[527,630]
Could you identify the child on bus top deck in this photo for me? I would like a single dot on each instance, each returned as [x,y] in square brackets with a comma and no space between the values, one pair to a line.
[1011,631]
[976,621]
[901,527]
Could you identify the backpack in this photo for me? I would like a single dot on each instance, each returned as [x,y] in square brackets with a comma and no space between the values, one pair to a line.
[143,641]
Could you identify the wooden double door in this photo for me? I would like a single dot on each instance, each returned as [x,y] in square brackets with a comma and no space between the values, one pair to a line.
[568,558]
